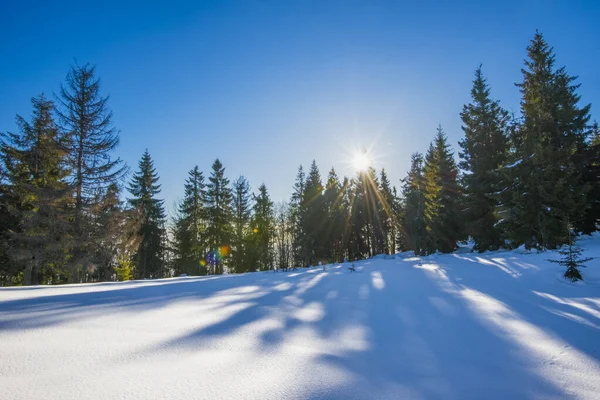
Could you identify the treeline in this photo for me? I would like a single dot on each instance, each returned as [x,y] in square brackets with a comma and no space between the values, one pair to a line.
[530,180]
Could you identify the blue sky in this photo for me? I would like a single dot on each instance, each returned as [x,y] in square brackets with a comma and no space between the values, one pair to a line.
[268,85]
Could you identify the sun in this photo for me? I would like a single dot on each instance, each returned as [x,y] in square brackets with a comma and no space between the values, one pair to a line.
[361,161]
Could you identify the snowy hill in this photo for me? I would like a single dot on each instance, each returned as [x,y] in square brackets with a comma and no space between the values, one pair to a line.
[499,325]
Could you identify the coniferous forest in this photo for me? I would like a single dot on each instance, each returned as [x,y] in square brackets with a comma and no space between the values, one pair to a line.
[71,212]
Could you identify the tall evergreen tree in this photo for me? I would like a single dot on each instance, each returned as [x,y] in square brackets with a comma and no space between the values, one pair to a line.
[87,122]
[484,152]
[441,196]
[144,188]
[388,210]
[590,221]
[242,213]
[314,217]
[37,197]
[413,225]
[263,228]
[218,201]
[334,227]
[547,173]
[189,232]
[297,212]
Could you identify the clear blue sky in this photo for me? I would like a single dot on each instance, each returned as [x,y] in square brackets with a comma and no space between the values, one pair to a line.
[268,85]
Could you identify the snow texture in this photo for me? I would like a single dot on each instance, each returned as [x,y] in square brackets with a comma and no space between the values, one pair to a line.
[499,325]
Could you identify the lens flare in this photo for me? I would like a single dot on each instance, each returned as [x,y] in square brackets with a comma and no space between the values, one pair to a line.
[224,251]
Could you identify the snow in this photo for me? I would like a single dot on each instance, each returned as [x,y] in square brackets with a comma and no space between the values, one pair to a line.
[498,325]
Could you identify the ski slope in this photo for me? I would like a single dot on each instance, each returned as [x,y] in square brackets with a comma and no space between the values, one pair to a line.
[499,325]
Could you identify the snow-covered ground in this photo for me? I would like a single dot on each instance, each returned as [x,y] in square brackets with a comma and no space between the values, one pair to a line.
[501,325]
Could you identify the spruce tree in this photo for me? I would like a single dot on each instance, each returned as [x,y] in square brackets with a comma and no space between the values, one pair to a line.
[218,202]
[297,212]
[590,221]
[283,236]
[413,230]
[484,152]
[189,232]
[87,122]
[144,188]
[441,196]
[242,213]
[263,230]
[314,217]
[572,259]
[388,215]
[37,197]
[547,172]
[333,230]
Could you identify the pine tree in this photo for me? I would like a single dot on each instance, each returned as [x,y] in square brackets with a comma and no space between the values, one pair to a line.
[263,229]
[242,213]
[218,201]
[484,152]
[144,188]
[441,196]
[36,197]
[87,121]
[413,230]
[189,232]
[548,171]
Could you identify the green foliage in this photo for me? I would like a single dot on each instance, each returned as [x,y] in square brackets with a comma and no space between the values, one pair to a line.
[571,258]
[484,152]
[547,181]
[144,188]
[219,214]
[90,138]
[189,231]
[124,269]
[36,198]
[263,225]
[241,251]
[442,192]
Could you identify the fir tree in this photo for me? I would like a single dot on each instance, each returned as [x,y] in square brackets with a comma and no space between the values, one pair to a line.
[413,230]
[547,173]
[87,122]
[314,217]
[283,236]
[242,213]
[218,201]
[144,188]
[388,213]
[441,196]
[484,152]
[333,230]
[297,212]
[572,259]
[591,176]
[37,197]
[263,229]
[189,234]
